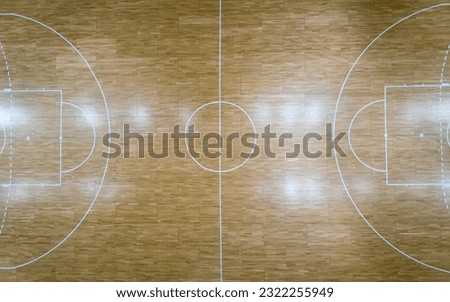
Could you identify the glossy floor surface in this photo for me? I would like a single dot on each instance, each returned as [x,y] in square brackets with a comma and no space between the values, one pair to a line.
[73,71]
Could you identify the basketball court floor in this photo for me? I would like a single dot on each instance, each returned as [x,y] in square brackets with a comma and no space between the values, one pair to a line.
[73,73]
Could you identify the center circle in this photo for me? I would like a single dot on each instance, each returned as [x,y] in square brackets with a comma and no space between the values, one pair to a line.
[191,118]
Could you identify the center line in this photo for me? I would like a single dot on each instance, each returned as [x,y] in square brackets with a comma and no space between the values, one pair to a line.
[220,142]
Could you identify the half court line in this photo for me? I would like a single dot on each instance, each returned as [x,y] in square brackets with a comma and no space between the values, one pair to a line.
[220,143]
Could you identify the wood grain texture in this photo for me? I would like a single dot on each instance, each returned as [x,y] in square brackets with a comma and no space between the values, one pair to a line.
[284,62]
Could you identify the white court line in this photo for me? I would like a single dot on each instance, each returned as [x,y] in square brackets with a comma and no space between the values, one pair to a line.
[417,85]
[8,76]
[350,139]
[30,90]
[60,135]
[108,148]
[341,176]
[386,138]
[186,130]
[447,134]
[441,130]
[94,138]
[4,138]
[220,145]
[430,184]
[35,185]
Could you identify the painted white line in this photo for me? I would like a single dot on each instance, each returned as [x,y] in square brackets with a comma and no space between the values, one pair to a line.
[30,90]
[186,129]
[4,137]
[34,185]
[8,198]
[386,161]
[60,134]
[416,86]
[94,138]
[447,134]
[108,148]
[441,130]
[220,144]
[418,184]
[341,176]
[350,138]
